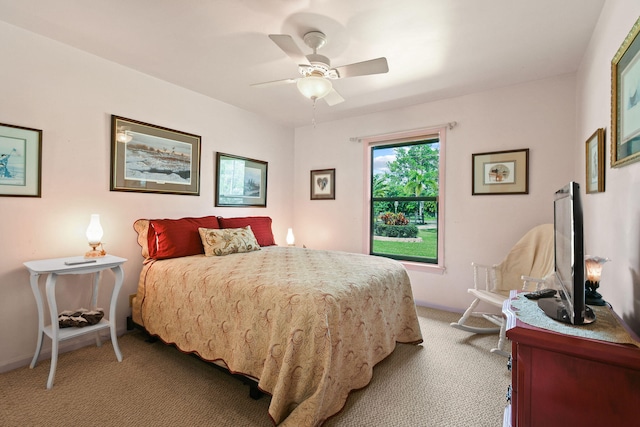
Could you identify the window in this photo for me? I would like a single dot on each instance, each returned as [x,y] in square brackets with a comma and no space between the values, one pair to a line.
[405,204]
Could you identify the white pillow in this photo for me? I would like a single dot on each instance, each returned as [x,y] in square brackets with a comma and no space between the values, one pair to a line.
[225,241]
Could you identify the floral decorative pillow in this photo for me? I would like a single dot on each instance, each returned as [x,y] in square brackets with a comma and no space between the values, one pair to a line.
[227,241]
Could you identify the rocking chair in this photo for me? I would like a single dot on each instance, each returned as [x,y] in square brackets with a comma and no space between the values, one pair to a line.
[531,258]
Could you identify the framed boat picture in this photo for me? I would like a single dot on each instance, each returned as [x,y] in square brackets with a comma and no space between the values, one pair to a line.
[153,159]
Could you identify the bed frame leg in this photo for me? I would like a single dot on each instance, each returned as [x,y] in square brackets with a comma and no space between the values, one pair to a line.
[254,392]
[131,325]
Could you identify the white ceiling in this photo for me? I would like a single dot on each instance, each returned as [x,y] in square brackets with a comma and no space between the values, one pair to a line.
[435,48]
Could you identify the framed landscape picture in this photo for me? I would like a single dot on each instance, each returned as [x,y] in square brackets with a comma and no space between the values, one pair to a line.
[241,181]
[20,161]
[500,172]
[153,159]
[625,100]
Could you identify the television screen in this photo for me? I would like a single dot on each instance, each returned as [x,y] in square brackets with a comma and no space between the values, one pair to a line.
[568,248]
[570,307]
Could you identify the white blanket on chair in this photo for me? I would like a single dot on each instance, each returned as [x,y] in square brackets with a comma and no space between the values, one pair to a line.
[533,256]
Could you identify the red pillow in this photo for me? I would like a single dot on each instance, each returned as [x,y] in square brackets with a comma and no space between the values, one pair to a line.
[260,225]
[172,238]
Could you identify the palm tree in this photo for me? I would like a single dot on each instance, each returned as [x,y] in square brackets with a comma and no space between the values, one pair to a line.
[417,183]
[380,185]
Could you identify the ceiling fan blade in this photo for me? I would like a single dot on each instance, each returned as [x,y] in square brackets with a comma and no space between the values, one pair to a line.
[333,98]
[286,43]
[372,66]
[274,83]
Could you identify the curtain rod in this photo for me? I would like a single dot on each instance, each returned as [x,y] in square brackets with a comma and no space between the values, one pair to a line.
[449,125]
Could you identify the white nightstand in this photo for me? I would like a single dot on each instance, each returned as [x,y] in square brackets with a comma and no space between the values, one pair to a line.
[61,266]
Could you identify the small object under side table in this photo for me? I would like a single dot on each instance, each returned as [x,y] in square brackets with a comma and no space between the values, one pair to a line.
[72,265]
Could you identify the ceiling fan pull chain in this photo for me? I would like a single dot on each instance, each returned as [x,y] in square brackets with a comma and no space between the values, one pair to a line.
[313,119]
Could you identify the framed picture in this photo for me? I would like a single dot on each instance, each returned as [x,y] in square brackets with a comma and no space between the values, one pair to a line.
[323,184]
[153,159]
[500,172]
[625,101]
[595,162]
[20,161]
[241,181]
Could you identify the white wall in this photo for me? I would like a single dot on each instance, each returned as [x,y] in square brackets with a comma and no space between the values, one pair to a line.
[612,218]
[539,115]
[71,95]
[552,117]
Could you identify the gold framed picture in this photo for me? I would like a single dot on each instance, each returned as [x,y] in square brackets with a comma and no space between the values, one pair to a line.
[594,159]
[625,101]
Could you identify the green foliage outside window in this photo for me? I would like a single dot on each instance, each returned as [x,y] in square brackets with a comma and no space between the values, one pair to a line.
[403,231]
[404,197]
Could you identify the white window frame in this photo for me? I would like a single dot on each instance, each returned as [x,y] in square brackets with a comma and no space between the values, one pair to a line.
[439,132]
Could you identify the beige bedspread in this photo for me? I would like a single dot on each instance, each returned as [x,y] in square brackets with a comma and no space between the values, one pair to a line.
[309,325]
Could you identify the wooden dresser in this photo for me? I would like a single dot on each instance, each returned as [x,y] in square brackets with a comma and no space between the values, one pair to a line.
[564,380]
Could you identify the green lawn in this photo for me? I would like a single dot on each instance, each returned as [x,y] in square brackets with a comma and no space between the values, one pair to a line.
[428,248]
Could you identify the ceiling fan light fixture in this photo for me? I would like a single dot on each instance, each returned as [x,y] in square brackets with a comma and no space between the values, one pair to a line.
[314,87]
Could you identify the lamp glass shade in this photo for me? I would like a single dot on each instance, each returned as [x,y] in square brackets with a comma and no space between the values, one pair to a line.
[314,87]
[593,265]
[290,238]
[94,231]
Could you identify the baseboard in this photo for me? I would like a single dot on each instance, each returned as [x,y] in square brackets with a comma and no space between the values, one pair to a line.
[439,307]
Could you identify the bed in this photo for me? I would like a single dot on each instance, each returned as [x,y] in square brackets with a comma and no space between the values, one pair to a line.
[307,325]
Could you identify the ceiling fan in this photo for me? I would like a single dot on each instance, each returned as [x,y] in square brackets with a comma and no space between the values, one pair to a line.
[315,69]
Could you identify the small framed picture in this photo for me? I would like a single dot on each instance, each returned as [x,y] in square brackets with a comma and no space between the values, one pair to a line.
[595,162]
[500,172]
[241,181]
[20,161]
[625,100]
[323,184]
[153,159]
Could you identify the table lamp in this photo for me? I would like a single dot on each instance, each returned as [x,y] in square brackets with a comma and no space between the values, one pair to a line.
[290,238]
[94,236]
[593,265]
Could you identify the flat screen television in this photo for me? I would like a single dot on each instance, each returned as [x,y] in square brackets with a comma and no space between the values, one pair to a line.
[569,306]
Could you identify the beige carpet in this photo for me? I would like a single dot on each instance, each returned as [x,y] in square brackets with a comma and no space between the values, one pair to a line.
[449,380]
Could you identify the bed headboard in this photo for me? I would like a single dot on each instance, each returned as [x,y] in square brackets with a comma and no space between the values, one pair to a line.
[141,227]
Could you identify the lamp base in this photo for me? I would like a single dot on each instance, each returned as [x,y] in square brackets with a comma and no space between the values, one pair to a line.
[95,252]
[594,300]
[591,295]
